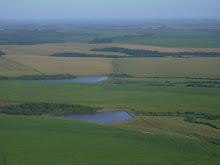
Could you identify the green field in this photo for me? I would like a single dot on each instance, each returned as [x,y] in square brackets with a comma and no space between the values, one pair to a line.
[144,98]
[56,141]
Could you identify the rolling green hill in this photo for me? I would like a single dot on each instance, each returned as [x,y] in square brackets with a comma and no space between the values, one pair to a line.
[41,140]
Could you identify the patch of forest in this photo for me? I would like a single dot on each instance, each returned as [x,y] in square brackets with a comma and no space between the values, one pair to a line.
[124,37]
[39,109]
[2,53]
[100,41]
[149,53]
[120,75]
[39,77]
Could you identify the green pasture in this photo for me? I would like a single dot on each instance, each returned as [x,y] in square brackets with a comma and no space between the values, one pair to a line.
[142,98]
[40,140]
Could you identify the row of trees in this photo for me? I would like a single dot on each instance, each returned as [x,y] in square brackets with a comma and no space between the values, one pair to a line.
[120,75]
[39,109]
[68,54]
[100,41]
[39,77]
[193,120]
[134,53]
[200,85]
[178,114]
[149,53]
[116,80]
[117,38]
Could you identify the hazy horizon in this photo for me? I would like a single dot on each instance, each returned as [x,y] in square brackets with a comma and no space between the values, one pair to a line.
[114,9]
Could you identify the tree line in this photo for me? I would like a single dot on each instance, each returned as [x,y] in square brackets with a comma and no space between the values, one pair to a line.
[39,109]
[149,53]
[100,41]
[68,54]
[178,114]
[193,120]
[125,37]
[134,53]
[39,77]
[120,75]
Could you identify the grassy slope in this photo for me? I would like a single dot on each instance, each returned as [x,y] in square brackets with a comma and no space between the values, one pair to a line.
[37,140]
[170,126]
[169,67]
[158,99]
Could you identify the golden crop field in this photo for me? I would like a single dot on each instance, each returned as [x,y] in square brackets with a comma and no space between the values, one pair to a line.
[205,67]
[66,65]
[35,58]
[171,50]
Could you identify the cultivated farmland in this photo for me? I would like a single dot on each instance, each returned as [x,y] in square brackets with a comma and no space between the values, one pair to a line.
[174,99]
[169,67]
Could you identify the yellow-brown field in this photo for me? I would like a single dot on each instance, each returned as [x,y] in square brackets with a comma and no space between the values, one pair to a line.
[12,69]
[66,65]
[35,59]
[205,67]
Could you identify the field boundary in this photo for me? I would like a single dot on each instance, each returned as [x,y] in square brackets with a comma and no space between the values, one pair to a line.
[22,65]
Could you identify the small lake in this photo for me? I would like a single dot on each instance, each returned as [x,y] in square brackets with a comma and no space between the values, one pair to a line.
[79,79]
[101,117]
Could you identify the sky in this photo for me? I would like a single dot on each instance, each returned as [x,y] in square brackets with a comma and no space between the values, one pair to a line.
[109,9]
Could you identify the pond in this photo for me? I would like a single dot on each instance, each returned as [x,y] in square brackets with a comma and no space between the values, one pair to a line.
[79,79]
[101,117]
